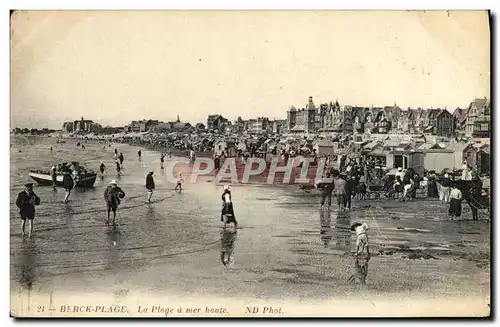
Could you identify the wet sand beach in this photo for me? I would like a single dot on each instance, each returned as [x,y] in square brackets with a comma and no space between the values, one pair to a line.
[285,247]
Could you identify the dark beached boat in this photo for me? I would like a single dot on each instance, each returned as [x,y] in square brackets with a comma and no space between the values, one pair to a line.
[84,178]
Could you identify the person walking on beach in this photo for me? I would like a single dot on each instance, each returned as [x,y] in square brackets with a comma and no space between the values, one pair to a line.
[116,153]
[121,159]
[340,191]
[139,154]
[179,183]
[350,190]
[118,168]
[445,189]
[68,185]
[326,188]
[113,195]
[162,160]
[26,202]
[53,174]
[51,149]
[455,209]
[102,169]
[192,156]
[150,185]
[227,214]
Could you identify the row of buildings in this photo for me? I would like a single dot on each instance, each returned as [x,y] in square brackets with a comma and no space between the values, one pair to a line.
[80,126]
[259,125]
[473,121]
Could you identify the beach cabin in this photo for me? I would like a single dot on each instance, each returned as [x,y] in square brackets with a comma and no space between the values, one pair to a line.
[483,160]
[438,159]
[382,155]
[324,147]
[409,159]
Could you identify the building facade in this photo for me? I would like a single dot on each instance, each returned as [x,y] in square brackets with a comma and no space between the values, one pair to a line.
[76,126]
[216,122]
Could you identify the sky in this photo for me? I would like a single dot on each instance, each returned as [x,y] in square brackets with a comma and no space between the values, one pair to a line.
[116,66]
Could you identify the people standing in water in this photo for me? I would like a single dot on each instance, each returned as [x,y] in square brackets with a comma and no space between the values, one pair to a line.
[340,191]
[51,149]
[150,185]
[121,159]
[68,185]
[113,195]
[227,214]
[180,179]
[118,168]
[139,153]
[445,189]
[326,188]
[162,160]
[455,209]
[350,190]
[102,169]
[53,174]
[26,202]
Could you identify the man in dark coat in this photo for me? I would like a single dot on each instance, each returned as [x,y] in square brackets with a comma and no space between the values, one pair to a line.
[326,187]
[121,159]
[102,168]
[68,185]
[118,168]
[26,202]
[113,195]
[150,185]
[352,183]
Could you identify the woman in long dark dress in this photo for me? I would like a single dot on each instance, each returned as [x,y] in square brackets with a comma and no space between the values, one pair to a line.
[455,209]
[432,191]
[227,214]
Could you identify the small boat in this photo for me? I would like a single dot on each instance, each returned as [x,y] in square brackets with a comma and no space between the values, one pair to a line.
[84,178]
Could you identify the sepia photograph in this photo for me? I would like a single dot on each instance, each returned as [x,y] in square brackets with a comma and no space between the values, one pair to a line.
[250,164]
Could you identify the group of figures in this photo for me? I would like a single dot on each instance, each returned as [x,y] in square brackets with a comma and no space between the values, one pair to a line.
[361,181]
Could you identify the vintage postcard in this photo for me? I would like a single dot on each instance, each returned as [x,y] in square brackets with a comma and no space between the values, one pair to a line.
[250,164]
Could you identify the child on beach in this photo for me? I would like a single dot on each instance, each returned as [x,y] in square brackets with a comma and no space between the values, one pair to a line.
[162,160]
[361,238]
[179,183]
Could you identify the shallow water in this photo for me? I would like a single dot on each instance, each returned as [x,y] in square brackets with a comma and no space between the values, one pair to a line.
[286,247]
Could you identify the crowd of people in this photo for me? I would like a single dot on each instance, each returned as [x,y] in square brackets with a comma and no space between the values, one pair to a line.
[358,177]
[113,194]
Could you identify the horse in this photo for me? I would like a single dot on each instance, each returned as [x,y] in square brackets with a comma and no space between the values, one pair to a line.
[471,193]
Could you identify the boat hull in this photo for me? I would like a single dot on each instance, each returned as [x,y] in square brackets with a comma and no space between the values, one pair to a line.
[45,179]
